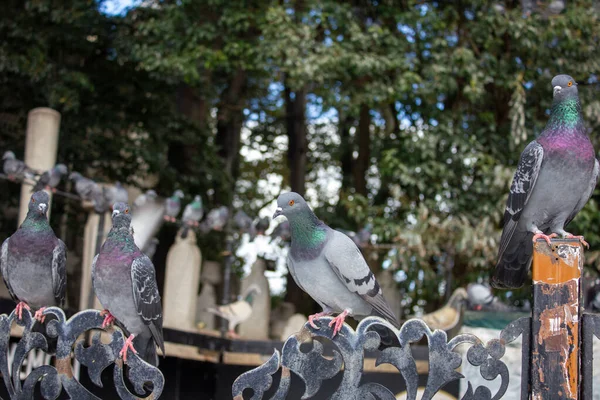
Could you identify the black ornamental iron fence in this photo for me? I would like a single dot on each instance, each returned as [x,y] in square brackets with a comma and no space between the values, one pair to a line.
[555,346]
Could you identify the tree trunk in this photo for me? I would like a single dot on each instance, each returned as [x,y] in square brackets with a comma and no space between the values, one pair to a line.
[230,119]
[346,149]
[362,162]
[295,104]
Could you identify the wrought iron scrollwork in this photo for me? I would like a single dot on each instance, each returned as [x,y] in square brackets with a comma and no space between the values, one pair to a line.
[351,345]
[96,357]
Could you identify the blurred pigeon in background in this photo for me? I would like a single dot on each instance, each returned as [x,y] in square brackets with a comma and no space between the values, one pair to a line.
[215,220]
[239,311]
[89,190]
[50,179]
[173,206]
[243,222]
[15,170]
[124,280]
[148,197]
[262,225]
[328,266]
[363,236]
[116,194]
[192,214]
[150,248]
[282,230]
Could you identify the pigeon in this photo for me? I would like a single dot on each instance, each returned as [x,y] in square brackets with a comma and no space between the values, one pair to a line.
[15,170]
[282,231]
[145,198]
[34,261]
[124,281]
[192,214]
[51,178]
[480,298]
[555,178]
[262,225]
[449,317]
[89,190]
[215,220]
[173,206]
[238,311]
[116,194]
[328,265]
[243,222]
[363,236]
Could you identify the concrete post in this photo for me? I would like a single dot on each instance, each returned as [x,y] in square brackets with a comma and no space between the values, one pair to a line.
[182,278]
[41,144]
[87,298]
[257,327]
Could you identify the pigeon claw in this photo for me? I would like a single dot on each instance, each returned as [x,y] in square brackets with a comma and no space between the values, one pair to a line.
[338,322]
[127,346]
[19,309]
[39,315]
[109,319]
[541,235]
[311,318]
[580,238]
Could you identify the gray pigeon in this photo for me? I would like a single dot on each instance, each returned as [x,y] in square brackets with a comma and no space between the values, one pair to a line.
[33,261]
[15,170]
[125,283]
[243,222]
[328,266]
[192,214]
[116,194]
[173,206]
[89,190]
[51,178]
[555,178]
[145,198]
[282,231]
[215,220]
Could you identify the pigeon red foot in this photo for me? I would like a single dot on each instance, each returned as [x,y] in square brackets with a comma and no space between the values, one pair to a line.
[338,322]
[109,319]
[39,315]
[311,318]
[580,238]
[541,235]
[19,308]
[127,346]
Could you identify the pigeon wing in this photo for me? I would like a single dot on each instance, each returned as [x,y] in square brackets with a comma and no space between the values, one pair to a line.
[521,188]
[59,272]
[147,297]
[4,268]
[588,193]
[348,263]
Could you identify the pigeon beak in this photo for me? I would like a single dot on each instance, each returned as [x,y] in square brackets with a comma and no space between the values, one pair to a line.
[42,207]
[556,90]
[115,213]
[278,212]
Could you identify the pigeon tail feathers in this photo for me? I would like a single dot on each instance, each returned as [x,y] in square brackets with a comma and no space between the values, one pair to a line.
[513,265]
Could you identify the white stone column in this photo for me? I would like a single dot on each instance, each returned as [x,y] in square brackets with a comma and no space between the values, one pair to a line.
[181,283]
[211,277]
[390,290]
[90,237]
[41,144]
[257,326]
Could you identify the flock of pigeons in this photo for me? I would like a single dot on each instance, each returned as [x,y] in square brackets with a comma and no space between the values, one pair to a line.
[554,179]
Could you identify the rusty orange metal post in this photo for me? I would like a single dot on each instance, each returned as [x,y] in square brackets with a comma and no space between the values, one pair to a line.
[556,315]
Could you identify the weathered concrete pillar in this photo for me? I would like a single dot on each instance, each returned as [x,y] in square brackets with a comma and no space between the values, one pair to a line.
[257,327]
[181,283]
[211,277]
[41,144]
[555,320]
[294,324]
[390,290]
[91,240]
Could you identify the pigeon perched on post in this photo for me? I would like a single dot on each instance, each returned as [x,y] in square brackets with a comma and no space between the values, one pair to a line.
[50,179]
[145,198]
[192,214]
[555,178]
[117,194]
[239,311]
[216,219]
[173,206]
[89,190]
[15,170]
[33,261]
[328,266]
[124,281]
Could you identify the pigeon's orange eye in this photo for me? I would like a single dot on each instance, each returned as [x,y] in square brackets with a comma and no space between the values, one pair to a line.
[127,211]
[291,203]
[32,200]
[570,84]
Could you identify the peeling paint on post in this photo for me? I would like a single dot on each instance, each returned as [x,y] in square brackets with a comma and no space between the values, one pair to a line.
[555,323]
